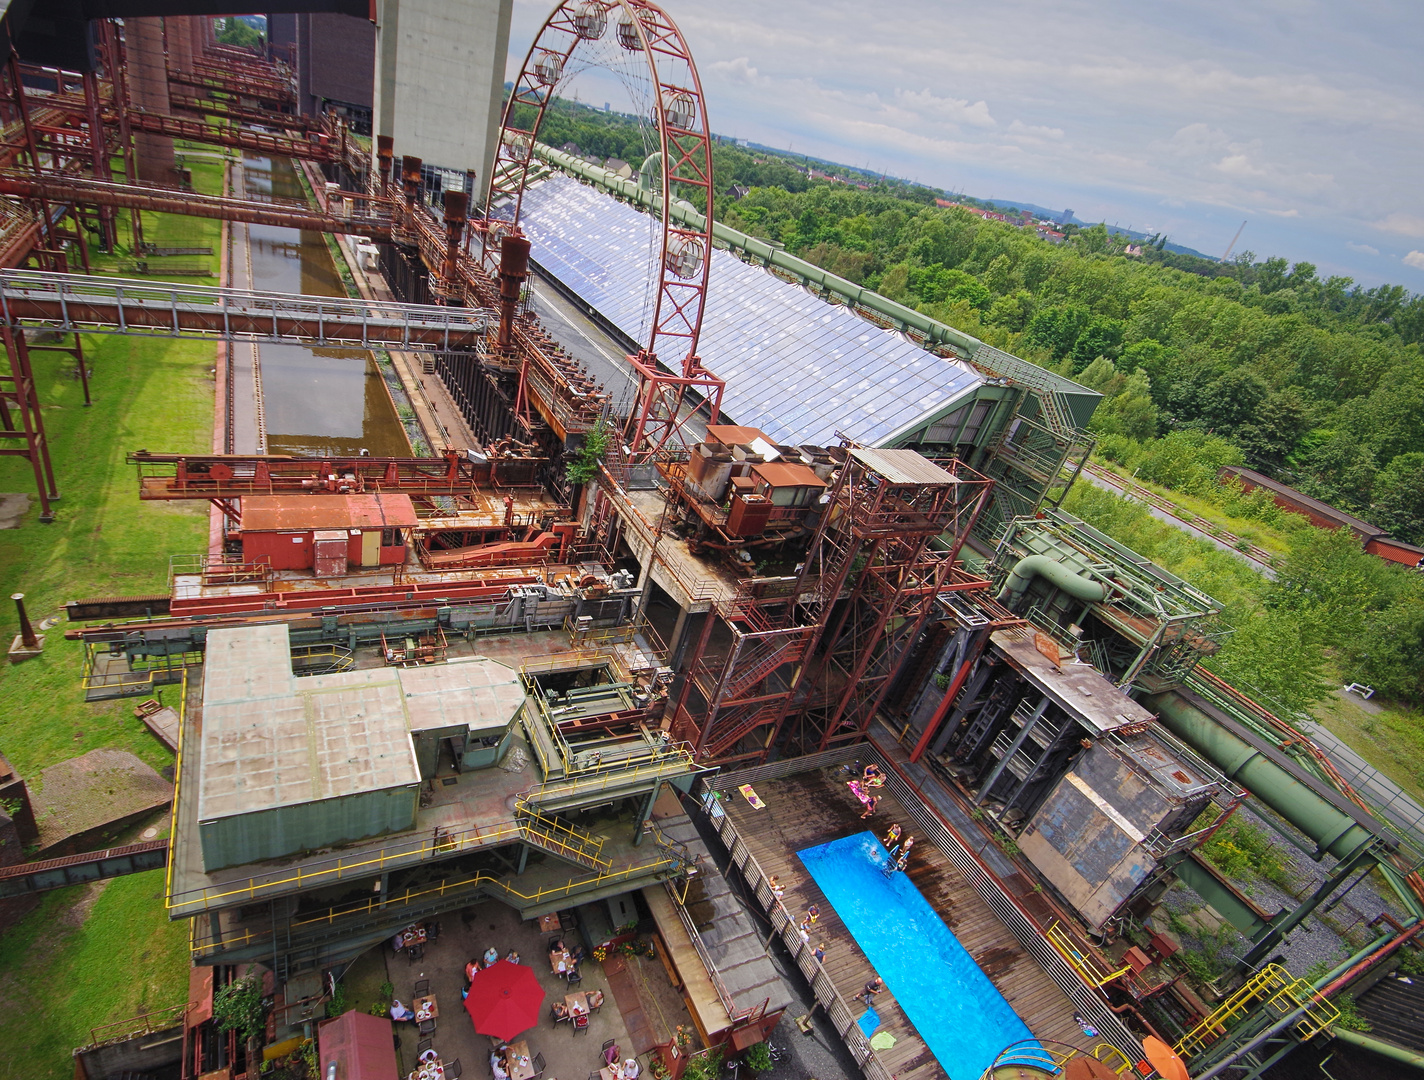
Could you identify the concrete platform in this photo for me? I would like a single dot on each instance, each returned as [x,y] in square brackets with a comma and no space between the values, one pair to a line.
[80,802]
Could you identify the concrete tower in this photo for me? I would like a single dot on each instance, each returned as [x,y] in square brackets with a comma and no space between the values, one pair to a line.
[440,80]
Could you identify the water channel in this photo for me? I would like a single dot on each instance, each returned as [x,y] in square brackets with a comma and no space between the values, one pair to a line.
[317,402]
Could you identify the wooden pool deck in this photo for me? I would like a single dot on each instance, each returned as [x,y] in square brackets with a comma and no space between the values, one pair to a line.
[811,808]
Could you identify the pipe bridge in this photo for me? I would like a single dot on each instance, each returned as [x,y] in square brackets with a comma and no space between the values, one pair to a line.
[72,303]
[368,217]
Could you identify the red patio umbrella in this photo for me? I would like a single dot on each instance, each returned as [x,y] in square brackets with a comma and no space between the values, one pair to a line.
[504,1000]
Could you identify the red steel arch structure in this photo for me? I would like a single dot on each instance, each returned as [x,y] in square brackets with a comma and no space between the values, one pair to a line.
[679,113]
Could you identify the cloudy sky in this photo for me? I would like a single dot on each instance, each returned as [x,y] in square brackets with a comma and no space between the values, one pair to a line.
[1303,118]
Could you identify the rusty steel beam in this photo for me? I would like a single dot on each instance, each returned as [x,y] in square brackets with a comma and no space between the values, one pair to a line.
[196,131]
[230,111]
[231,476]
[52,187]
[237,86]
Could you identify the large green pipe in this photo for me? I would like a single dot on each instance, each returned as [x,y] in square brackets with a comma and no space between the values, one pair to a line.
[1374,1046]
[1332,829]
[1032,566]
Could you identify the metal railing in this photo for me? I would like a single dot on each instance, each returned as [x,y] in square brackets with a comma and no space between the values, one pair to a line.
[838,1010]
[1274,988]
[77,303]
[147,1023]
[390,908]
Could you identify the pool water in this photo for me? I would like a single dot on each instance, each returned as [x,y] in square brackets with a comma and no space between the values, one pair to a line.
[959,1013]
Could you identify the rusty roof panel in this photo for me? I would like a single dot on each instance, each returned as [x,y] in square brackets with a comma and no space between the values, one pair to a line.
[781,474]
[733,434]
[288,513]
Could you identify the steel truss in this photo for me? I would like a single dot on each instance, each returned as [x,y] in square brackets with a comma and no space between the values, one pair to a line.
[809,663]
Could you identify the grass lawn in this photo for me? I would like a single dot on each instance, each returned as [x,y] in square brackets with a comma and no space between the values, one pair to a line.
[1391,738]
[96,954]
[87,955]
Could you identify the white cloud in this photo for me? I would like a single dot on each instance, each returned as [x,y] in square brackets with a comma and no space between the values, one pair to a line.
[1281,213]
[1402,223]
[1363,249]
[1415,259]
[1034,131]
[738,70]
[956,110]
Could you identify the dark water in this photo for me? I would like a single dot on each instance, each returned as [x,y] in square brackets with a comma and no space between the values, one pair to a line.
[316,401]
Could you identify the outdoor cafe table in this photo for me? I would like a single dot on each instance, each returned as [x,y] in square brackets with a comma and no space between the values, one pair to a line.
[549,924]
[421,1002]
[560,957]
[577,1003]
[521,1062]
[429,1070]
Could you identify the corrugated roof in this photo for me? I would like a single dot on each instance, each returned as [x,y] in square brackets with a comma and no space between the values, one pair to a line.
[796,367]
[903,467]
[733,434]
[784,474]
[360,1045]
[284,513]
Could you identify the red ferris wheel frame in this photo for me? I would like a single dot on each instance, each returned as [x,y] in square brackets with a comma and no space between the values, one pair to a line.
[685,254]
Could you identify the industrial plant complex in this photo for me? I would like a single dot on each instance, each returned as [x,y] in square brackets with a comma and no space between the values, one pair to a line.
[657,575]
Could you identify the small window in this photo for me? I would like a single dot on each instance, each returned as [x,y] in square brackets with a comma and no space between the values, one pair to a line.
[392,538]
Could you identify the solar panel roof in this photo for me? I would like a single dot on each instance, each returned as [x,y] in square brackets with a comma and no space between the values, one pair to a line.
[795,366]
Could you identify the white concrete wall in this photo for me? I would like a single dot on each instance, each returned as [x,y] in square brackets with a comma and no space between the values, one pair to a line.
[440,79]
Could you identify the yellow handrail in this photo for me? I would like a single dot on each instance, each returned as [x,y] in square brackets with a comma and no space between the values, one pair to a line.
[1272,987]
[1078,960]
[482,878]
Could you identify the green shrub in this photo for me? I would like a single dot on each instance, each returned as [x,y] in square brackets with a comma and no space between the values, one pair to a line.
[758,1058]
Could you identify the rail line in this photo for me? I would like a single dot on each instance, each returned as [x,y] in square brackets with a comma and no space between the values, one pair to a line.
[1199,524]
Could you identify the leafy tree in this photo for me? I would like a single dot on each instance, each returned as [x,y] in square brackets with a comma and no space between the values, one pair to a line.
[1398,497]
[239,33]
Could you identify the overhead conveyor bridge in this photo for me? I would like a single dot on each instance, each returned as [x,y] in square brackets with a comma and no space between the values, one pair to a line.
[71,303]
[369,217]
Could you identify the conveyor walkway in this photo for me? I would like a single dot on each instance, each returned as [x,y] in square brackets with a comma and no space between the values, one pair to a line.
[92,305]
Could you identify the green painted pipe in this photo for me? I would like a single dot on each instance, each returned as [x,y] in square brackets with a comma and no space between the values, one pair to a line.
[1330,828]
[1383,1049]
[1032,566]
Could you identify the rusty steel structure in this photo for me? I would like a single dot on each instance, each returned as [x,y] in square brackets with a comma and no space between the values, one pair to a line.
[57,144]
[672,387]
[812,655]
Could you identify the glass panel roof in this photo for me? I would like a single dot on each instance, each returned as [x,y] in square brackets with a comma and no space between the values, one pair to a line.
[795,366]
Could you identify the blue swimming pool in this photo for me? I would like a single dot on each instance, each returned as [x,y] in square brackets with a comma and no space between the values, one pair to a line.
[959,1013]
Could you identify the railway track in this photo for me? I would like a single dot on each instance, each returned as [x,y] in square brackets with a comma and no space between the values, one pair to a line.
[1195,522]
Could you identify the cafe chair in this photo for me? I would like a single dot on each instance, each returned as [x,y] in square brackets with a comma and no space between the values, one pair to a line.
[416,952]
[554,939]
[573,976]
[432,933]
[591,1006]
[453,1070]
[422,988]
[427,1027]
[607,1046]
[538,1066]
[422,1046]
[581,1023]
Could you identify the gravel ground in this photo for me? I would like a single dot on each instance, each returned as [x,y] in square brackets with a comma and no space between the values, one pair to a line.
[1329,935]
